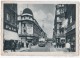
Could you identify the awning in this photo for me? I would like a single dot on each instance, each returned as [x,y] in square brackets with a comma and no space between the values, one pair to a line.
[10,35]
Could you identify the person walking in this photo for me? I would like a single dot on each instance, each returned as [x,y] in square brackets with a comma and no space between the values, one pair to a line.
[68,46]
[72,46]
[27,44]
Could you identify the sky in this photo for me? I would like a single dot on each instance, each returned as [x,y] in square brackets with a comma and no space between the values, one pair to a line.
[43,13]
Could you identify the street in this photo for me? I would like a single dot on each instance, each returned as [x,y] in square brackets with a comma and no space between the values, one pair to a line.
[47,48]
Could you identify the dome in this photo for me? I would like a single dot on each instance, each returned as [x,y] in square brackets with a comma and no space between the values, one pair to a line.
[27,10]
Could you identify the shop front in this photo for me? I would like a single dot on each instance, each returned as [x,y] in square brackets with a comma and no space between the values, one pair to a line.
[9,38]
[71,38]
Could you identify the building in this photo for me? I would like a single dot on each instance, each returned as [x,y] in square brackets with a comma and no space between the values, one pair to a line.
[10,25]
[59,33]
[66,28]
[29,29]
[71,33]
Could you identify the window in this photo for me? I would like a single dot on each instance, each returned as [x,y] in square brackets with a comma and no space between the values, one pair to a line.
[70,19]
[58,32]
[7,26]
[26,17]
[30,18]
[59,5]
[24,30]
[62,10]
[58,12]
[22,18]
[58,19]
[23,25]
[7,16]
[57,26]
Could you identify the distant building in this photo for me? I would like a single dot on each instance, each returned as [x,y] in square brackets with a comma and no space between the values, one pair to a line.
[59,34]
[10,25]
[71,27]
[29,29]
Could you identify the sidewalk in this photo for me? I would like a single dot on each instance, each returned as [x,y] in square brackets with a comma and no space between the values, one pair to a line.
[53,49]
[23,49]
[20,50]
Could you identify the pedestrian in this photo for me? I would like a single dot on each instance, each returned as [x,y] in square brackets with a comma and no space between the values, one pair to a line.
[68,46]
[13,47]
[27,44]
[72,46]
[30,44]
[54,44]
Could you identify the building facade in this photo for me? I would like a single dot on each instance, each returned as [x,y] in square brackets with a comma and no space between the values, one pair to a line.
[59,28]
[29,29]
[71,27]
[66,28]
[10,25]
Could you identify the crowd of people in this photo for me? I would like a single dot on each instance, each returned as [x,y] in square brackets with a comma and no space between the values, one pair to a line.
[69,46]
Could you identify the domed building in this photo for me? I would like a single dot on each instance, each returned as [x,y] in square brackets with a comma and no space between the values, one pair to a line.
[27,11]
[29,30]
